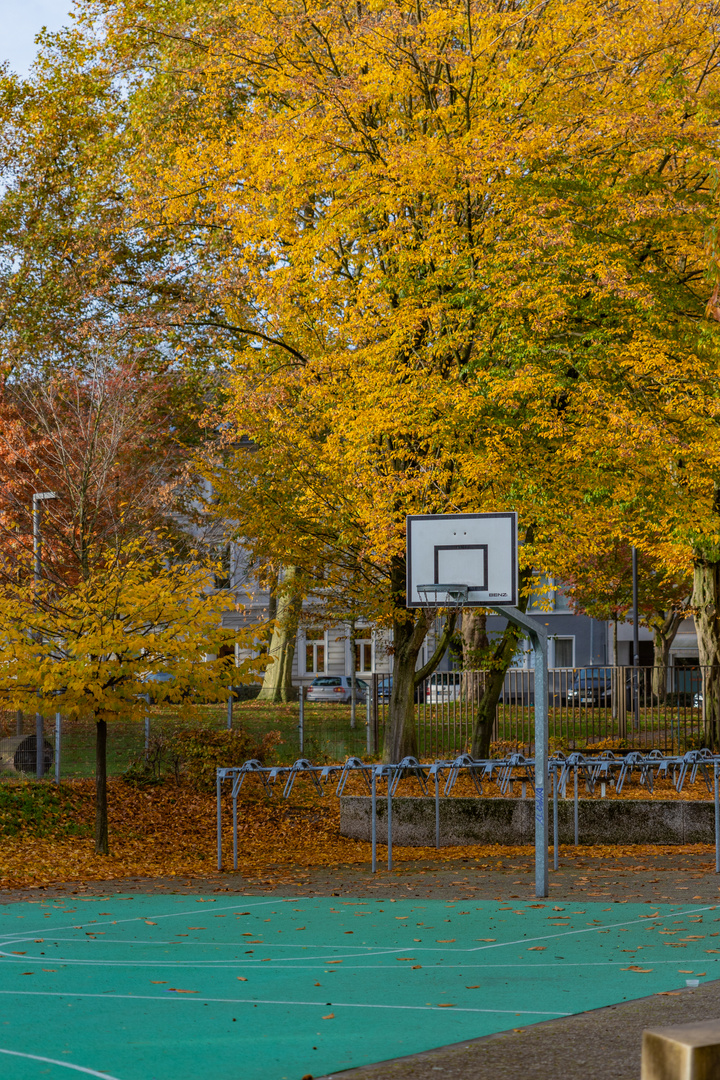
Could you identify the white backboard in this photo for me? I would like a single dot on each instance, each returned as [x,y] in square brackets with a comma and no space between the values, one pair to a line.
[477,550]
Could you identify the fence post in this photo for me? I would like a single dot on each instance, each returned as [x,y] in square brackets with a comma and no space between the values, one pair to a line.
[219,823]
[39,746]
[368,720]
[58,732]
[147,734]
[19,722]
[622,704]
[373,805]
[230,710]
[375,717]
[389,815]
[301,719]
[716,798]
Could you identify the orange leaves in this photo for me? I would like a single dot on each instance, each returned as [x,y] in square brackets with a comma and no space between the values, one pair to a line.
[169,831]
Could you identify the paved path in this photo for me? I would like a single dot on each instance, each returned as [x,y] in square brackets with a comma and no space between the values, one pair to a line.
[668,877]
[600,1045]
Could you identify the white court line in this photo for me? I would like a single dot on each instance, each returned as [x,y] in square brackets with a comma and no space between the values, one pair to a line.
[237,964]
[13,939]
[384,951]
[63,1064]
[268,1001]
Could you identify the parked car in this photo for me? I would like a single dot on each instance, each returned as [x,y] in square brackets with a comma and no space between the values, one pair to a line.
[443,686]
[590,686]
[336,688]
[385,686]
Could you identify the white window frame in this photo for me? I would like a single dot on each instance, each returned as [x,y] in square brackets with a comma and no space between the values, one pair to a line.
[302,643]
[350,660]
[563,637]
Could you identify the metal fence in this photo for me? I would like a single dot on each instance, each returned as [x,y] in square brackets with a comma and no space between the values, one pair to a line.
[586,706]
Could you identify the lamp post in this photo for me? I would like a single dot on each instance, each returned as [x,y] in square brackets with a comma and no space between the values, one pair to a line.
[636,642]
[38,498]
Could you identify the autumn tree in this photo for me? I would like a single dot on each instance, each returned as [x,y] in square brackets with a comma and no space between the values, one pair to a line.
[91,645]
[597,578]
[456,256]
[106,443]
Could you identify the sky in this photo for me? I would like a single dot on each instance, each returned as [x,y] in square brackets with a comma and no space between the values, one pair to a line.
[21,20]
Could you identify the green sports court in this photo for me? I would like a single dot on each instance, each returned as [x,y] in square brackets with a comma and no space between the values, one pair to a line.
[139,987]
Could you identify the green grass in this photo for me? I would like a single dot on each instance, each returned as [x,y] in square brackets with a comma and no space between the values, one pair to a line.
[40,810]
[443,731]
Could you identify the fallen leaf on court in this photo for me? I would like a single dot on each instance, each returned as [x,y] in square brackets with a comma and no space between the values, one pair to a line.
[158,982]
[668,993]
[473,987]
[699,973]
[486,939]
[241,978]
[193,927]
[52,970]
[28,972]
[404,957]
[333,961]
[642,971]
[38,940]
[712,950]
[537,948]
[330,1016]
[681,971]
[446,1005]
[16,953]
[416,966]
[445,941]
[174,990]
[148,922]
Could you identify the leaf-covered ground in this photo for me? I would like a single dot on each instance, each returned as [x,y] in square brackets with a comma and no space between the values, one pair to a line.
[168,830]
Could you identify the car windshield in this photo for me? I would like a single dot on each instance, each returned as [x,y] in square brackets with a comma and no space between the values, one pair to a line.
[326,682]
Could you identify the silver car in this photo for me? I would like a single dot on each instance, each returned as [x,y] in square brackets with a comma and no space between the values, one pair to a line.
[336,688]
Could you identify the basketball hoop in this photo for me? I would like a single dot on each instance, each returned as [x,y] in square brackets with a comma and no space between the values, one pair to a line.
[443,596]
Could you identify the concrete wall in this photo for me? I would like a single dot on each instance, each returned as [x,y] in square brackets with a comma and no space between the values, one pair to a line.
[512,821]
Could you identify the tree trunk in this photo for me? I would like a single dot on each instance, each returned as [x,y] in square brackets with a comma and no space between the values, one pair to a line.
[101,812]
[475,647]
[664,627]
[498,665]
[400,732]
[706,605]
[277,684]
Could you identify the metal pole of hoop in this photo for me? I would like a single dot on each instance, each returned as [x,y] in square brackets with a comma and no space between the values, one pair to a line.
[454,596]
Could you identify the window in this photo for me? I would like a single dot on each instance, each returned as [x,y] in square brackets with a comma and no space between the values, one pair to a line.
[363,649]
[223,572]
[314,651]
[548,596]
[564,649]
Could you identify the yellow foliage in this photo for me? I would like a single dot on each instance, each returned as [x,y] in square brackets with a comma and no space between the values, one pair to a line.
[91,647]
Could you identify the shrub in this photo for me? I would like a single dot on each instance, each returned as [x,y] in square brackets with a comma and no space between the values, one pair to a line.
[200,752]
[195,753]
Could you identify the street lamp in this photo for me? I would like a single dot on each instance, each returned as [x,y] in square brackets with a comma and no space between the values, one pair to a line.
[38,498]
[636,642]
